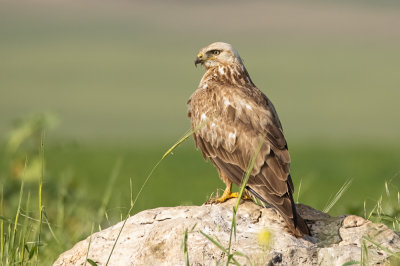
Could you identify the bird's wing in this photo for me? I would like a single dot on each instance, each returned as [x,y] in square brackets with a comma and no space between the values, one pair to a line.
[237,120]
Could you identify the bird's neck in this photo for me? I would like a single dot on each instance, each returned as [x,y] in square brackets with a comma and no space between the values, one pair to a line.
[232,74]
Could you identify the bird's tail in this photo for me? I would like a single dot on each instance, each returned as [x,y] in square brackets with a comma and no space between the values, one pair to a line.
[296,224]
[299,227]
[302,227]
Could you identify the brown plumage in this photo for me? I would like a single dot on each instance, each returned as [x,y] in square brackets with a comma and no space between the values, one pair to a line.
[232,115]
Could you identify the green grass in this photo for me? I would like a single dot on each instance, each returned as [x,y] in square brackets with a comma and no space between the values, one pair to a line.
[77,179]
[322,171]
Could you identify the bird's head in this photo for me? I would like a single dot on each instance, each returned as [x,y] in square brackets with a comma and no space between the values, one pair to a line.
[217,54]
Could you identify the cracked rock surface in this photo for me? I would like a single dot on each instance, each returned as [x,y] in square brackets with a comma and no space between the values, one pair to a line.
[155,237]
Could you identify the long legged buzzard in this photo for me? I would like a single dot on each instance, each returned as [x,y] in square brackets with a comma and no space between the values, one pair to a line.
[232,115]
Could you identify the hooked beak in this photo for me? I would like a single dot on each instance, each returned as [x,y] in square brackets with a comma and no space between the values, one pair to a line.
[199,59]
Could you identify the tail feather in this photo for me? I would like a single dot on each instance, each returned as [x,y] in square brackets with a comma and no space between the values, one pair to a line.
[300,226]
[296,225]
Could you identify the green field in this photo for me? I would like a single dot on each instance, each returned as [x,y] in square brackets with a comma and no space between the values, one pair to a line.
[114,78]
[77,182]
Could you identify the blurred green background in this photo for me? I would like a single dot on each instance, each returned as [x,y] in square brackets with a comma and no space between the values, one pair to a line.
[109,81]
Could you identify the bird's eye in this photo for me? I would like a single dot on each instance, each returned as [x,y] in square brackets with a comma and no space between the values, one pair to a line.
[215,52]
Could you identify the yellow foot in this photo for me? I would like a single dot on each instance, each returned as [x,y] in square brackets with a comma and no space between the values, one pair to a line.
[227,196]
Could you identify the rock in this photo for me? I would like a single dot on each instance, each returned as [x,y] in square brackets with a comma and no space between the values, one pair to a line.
[155,237]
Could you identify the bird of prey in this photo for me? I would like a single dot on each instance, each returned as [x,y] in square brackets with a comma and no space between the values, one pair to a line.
[231,117]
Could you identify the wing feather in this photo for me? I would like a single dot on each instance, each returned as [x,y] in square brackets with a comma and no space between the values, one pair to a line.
[237,119]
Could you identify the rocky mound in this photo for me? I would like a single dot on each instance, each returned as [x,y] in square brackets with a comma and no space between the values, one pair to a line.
[155,237]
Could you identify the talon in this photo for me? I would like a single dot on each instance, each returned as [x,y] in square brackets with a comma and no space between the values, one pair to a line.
[226,196]
[227,192]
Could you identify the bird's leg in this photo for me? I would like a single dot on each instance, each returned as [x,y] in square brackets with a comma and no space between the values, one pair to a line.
[227,194]
[228,191]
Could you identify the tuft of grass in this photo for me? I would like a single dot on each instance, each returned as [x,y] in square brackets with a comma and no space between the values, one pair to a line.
[15,240]
[386,210]
[22,240]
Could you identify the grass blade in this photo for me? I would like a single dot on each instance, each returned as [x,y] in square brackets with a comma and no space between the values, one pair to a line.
[92,262]
[179,142]
[49,226]
[215,242]
[218,245]
[248,173]
[107,195]
[364,253]
[387,189]
[298,190]
[185,249]
[352,262]
[14,234]
[242,187]
[338,195]
[189,133]
[2,240]
[1,226]
[381,247]
[40,195]
[90,242]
